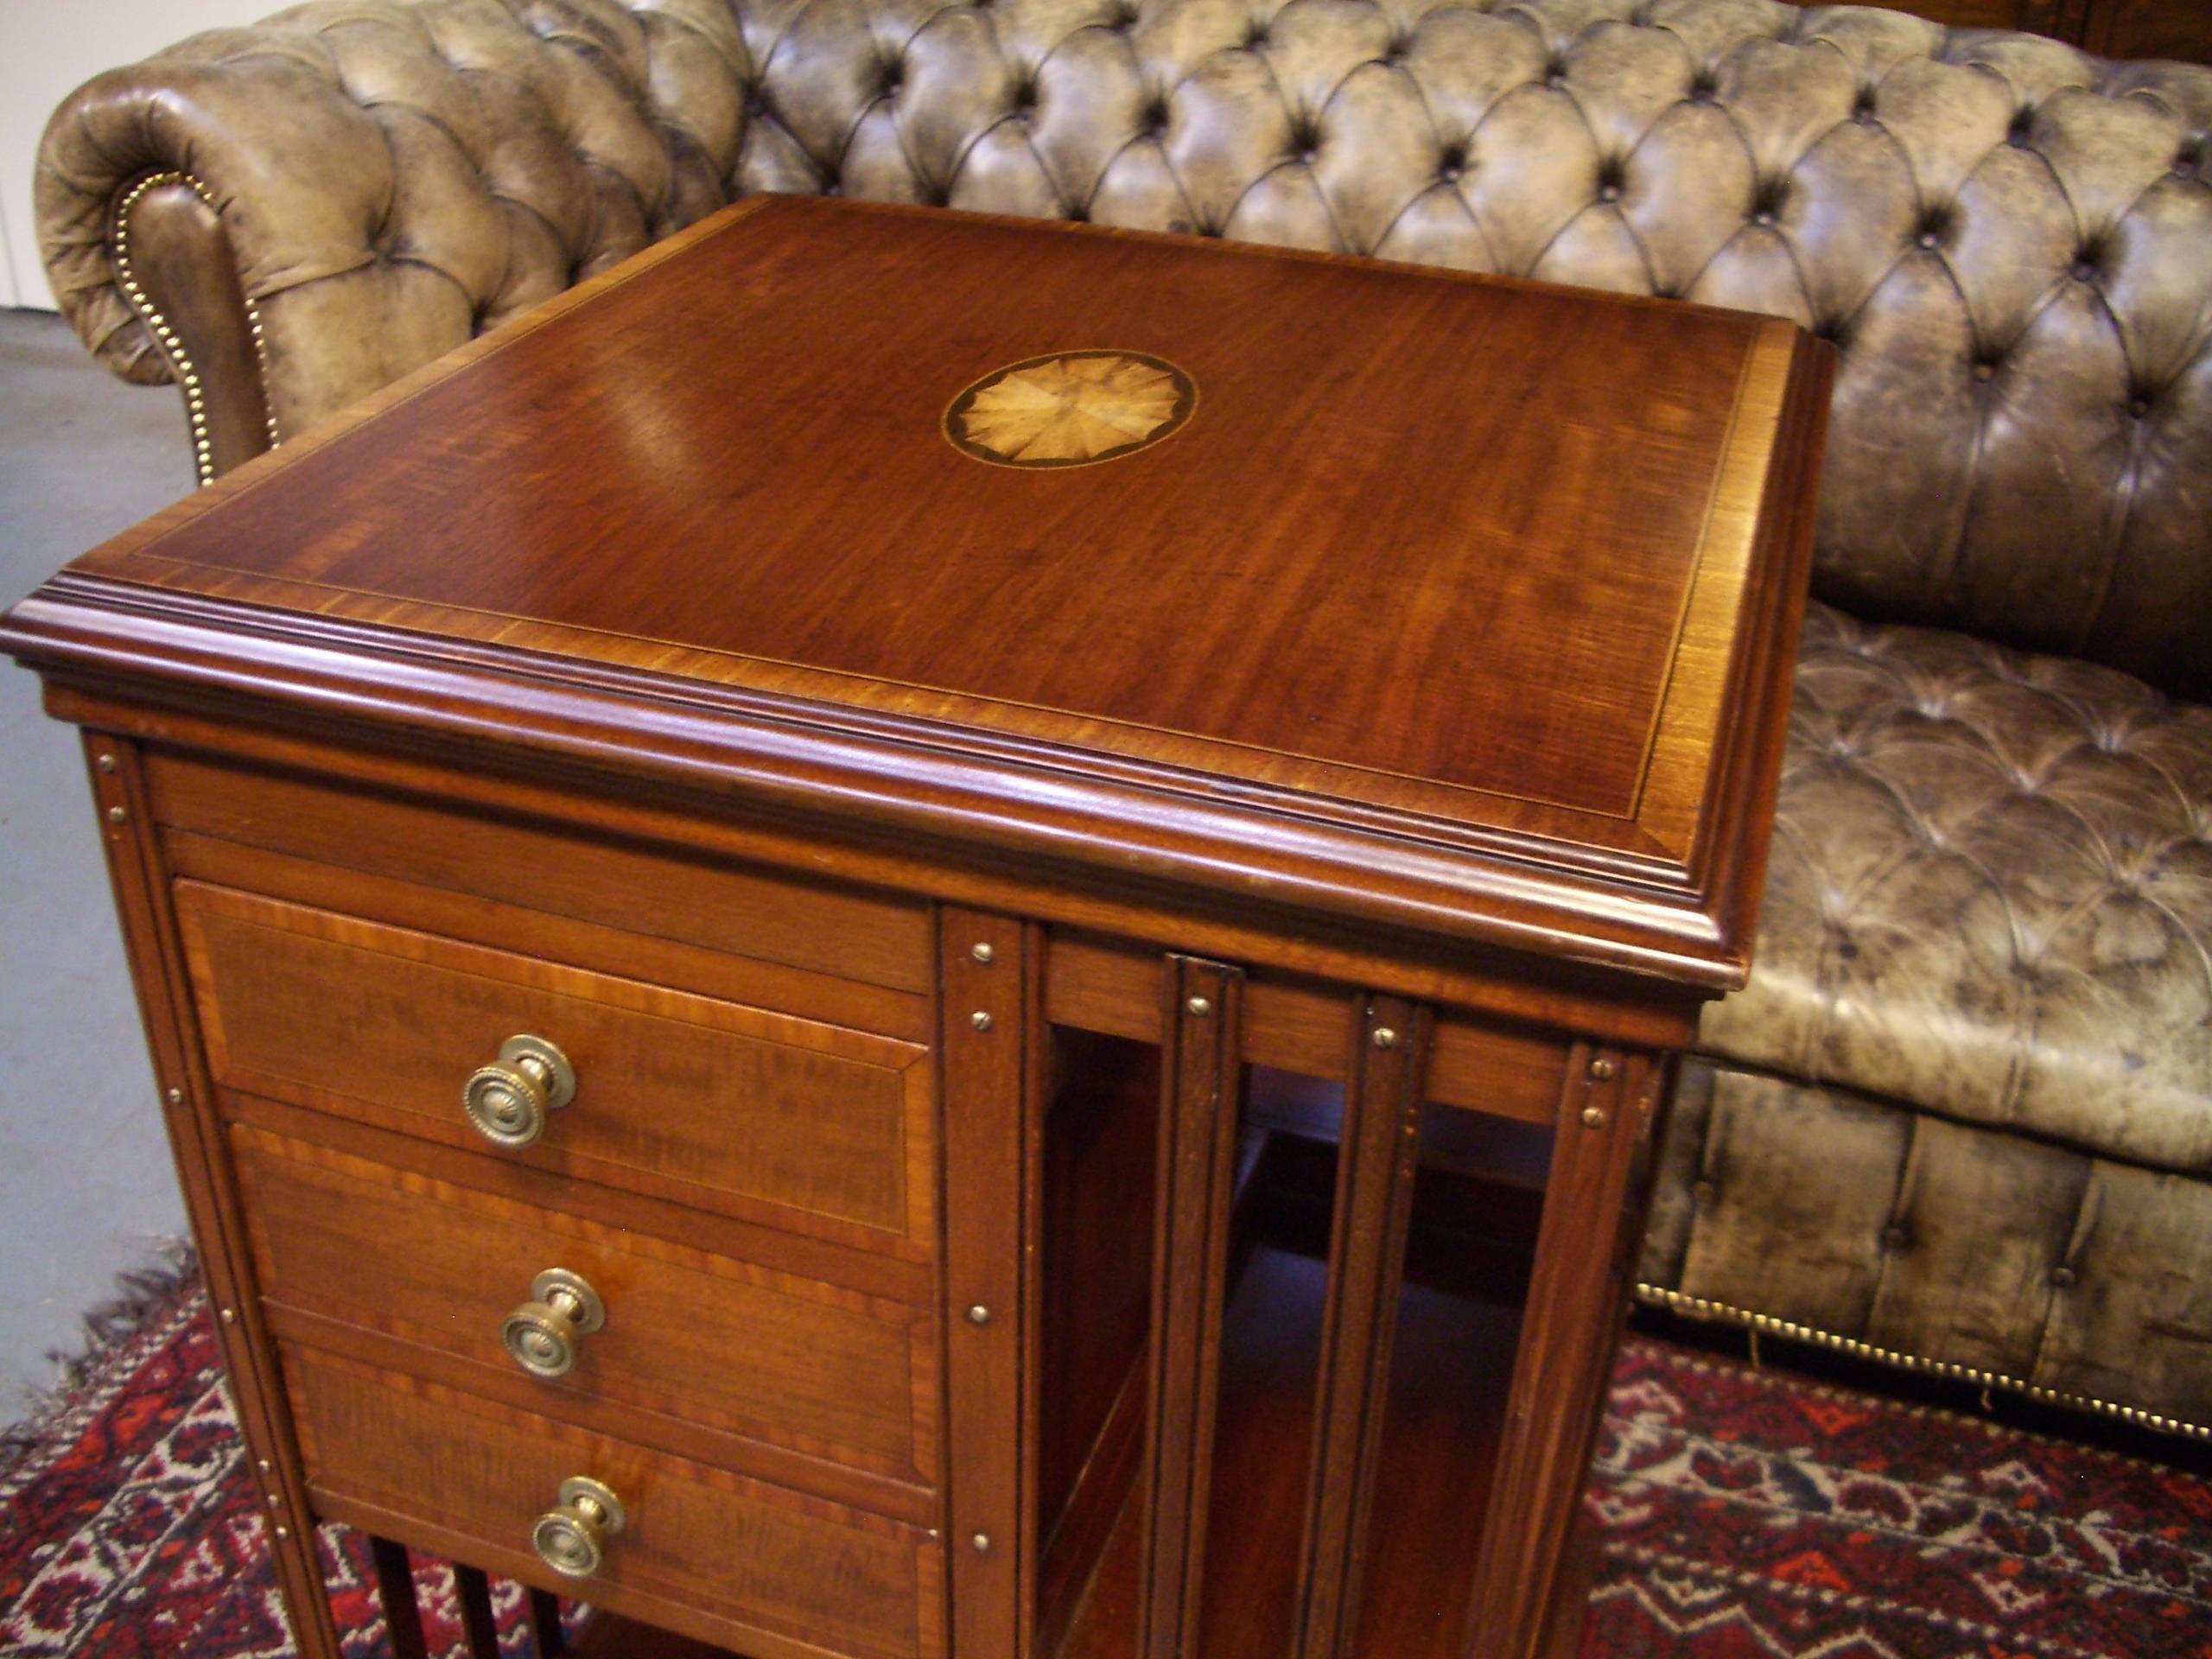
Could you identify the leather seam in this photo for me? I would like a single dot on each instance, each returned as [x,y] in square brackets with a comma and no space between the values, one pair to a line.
[1698,1307]
[1778,1073]
[134,295]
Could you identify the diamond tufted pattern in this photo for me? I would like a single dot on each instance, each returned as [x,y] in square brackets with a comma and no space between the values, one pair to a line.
[1990,894]
[2010,242]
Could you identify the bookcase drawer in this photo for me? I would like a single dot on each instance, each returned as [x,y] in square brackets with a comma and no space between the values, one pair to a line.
[785,1371]
[789,1122]
[769,1571]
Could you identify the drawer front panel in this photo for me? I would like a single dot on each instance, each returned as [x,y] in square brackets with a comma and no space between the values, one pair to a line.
[762,1558]
[730,908]
[801,1125]
[826,1372]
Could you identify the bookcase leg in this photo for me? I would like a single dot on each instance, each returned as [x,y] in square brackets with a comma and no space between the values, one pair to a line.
[402,1618]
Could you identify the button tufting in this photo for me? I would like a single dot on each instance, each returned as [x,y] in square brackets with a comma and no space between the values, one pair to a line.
[2138,407]
[1703,1193]
[1986,369]
[2023,124]
[1862,107]
[2062,1278]
[1894,1238]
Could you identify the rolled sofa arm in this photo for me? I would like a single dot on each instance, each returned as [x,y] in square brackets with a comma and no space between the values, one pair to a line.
[283,218]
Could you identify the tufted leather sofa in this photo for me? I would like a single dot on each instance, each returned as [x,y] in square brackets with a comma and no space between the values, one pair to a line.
[1962,1117]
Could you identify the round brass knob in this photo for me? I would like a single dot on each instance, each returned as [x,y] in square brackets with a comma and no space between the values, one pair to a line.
[542,1333]
[509,1100]
[572,1539]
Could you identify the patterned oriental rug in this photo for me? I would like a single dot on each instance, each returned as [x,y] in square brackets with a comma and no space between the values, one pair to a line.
[1744,1514]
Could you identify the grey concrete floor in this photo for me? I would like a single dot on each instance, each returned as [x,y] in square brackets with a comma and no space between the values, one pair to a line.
[85,1185]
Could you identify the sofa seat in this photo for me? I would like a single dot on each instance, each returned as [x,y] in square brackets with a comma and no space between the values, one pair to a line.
[1986,909]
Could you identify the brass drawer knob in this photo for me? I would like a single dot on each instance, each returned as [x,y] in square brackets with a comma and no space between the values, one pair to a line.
[542,1333]
[509,1100]
[572,1539]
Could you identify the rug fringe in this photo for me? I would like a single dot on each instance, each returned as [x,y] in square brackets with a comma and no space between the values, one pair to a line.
[140,1293]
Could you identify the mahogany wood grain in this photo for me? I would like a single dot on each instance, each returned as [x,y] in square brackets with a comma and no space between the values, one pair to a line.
[1095,1269]
[548,1191]
[2179,29]
[1592,1212]
[1297,1025]
[1375,1170]
[808,1126]
[990,969]
[1545,989]
[722,907]
[771,1567]
[402,1611]
[922,647]
[721,1343]
[156,960]
[606,1636]
[1201,1098]
[727,815]
[903,1015]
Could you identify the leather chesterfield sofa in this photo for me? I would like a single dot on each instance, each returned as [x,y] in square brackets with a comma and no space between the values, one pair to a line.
[1962,1119]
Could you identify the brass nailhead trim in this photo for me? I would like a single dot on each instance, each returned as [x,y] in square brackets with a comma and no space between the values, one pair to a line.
[1696,1308]
[134,295]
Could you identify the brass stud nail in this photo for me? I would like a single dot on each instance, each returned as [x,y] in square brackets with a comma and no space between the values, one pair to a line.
[979,1314]
[1601,1070]
[262,1464]
[1199,1008]
[1384,1037]
[982,1543]
[933,1534]
[980,1019]
[282,1533]
[276,1500]
[229,1316]
[1593,1117]
[982,951]
[175,1096]
[117,815]
[107,763]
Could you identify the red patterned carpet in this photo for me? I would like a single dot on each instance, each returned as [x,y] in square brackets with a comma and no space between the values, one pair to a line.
[1745,1516]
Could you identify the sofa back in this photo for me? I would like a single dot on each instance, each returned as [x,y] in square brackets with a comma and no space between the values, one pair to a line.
[2011,243]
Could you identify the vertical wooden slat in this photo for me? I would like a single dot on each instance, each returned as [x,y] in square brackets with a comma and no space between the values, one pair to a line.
[1593,1212]
[474,1592]
[1201,1025]
[156,958]
[1380,1157]
[990,991]
[402,1615]
[545,1627]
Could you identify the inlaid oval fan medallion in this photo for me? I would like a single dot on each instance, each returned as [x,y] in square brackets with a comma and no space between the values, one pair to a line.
[1069,409]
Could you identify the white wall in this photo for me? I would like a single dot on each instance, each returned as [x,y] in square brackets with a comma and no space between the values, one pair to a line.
[47,49]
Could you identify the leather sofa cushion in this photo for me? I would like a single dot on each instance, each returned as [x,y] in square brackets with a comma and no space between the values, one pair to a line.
[1993,1256]
[1990,894]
